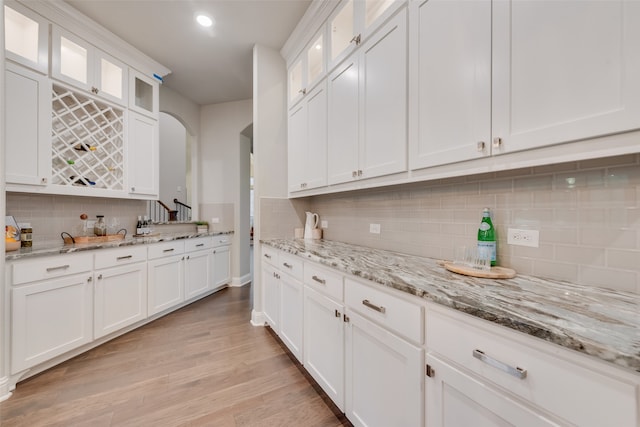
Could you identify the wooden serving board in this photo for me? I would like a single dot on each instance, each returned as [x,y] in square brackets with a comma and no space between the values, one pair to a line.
[94,239]
[494,273]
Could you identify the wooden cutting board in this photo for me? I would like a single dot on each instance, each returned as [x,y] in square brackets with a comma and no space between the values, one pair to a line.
[494,273]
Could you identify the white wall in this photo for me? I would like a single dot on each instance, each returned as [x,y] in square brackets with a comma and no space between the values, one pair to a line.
[220,165]
[269,146]
[173,161]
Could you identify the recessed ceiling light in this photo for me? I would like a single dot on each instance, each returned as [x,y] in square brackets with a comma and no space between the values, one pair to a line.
[204,20]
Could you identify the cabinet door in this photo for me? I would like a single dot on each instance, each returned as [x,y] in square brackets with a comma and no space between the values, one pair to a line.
[384,377]
[342,32]
[343,124]
[120,298]
[197,273]
[296,85]
[50,318]
[166,283]
[143,149]
[456,398]
[316,153]
[451,71]
[291,305]
[221,266]
[383,80]
[26,37]
[324,343]
[72,59]
[28,126]
[143,94]
[271,295]
[564,71]
[297,146]
[110,78]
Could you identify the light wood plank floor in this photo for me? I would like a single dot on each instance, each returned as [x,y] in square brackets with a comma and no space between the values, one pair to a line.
[203,365]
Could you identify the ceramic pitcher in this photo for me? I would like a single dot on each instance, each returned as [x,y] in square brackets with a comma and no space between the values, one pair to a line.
[310,224]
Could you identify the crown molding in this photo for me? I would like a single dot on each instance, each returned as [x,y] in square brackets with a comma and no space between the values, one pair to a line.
[310,23]
[60,13]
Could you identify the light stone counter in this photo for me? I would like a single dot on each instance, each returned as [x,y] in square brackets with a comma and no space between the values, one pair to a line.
[57,249]
[596,321]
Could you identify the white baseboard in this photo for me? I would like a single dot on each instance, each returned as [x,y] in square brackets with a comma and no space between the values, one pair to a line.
[240,281]
[257,318]
[4,389]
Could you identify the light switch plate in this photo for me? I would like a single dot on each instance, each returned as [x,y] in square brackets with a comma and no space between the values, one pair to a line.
[324,224]
[374,228]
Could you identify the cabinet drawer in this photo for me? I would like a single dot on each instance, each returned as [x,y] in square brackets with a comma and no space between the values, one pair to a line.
[394,313]
[291,265]
[221,240]
[198,244]
[120,256]
[159,250]
[270,255]
[550,378]
[323,280]
[48,267]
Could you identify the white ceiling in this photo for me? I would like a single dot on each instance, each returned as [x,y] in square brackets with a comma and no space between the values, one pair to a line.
[208,66]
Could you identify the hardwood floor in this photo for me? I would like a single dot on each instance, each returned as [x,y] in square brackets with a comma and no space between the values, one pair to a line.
[203,365]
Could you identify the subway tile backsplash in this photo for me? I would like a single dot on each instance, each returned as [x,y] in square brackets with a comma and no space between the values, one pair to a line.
[588,215]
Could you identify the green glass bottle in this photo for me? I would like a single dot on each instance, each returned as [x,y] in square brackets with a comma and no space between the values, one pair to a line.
[487,237]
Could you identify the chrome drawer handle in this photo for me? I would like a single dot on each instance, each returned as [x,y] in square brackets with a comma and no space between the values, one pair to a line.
[60,267]
[377,308]
[120,258]
[319,280]
[168,250]
[287,265]
[199,244]
[516,372]
[267,256]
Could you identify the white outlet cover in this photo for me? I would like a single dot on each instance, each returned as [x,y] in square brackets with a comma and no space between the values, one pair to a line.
[519,237]
[374,228]
[324,224]
[215,220]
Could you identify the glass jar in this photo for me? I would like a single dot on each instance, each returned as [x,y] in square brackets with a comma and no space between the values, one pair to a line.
[100,227]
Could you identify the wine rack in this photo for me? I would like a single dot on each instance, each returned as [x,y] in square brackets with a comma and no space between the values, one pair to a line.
[87,141]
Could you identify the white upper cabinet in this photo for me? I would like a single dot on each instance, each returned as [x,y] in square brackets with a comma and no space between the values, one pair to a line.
[353,22]
[564,71]
[76,62]
[143,94]
[367,118]
[308,69]
[26,37]
[143,156]
[451,76]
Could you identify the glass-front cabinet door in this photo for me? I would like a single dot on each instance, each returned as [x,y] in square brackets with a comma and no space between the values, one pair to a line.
[296,88]
[315,60]
[110,78]
[26,37]
[342,32]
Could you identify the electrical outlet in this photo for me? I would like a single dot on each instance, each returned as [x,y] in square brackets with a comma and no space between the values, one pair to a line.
[374,228]
[324,224]
[520,237]
[215,220]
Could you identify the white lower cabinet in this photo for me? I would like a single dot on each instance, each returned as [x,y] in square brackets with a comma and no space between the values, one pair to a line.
[120,297]
[504,376]
[197,273]
[166,283]
[383,376]
[456,398]
[291,312]
[324,343]
[49,318]
[271,295]
[221,264]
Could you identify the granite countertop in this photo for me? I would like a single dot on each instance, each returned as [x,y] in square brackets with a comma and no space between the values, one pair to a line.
[61,248]
[600,322]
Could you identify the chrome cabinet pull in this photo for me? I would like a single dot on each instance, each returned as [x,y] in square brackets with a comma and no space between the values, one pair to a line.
[267,256]
[60,267]
[356,39]
[377,308]
[120,258]
[337,313]
[516,372]
[168,250]
[199,244]
[480,146]
[497,142]
[319,280]
[100,277]
[287,265]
